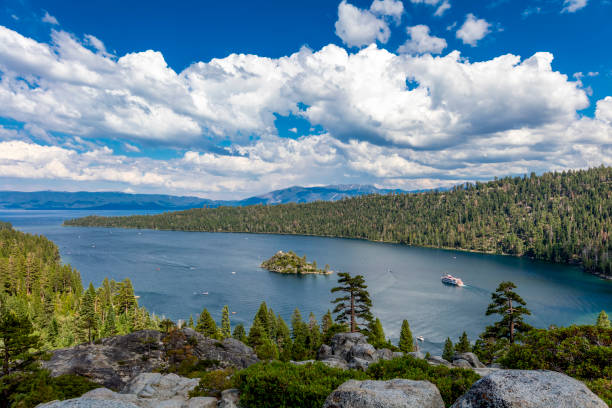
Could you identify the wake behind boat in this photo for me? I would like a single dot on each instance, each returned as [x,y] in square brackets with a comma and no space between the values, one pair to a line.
[451,280]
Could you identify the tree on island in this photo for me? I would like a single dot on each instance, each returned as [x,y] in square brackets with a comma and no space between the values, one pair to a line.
[510,306]
[206,324]
[355,304]
[406,343]
[463,346]
[603,321]
[449,350]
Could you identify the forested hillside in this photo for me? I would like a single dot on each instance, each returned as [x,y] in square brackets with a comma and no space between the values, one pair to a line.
[35,284]
[560,217]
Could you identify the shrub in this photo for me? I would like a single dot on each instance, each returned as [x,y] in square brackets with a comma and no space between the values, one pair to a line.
[452,382]
[213,382]
[278,384]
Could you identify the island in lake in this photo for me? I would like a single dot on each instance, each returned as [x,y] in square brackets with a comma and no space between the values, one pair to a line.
[290,262]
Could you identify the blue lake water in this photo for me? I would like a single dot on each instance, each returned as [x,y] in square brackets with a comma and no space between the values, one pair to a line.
[170,271]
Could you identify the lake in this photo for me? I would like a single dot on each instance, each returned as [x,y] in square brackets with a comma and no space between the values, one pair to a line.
[171,271]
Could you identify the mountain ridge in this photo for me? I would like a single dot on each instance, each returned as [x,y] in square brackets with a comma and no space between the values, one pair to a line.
[114,200]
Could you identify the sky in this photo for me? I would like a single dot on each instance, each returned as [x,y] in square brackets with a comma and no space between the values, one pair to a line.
[226,100]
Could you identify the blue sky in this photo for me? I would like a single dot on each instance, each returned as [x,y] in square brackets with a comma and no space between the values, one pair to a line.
[232,99]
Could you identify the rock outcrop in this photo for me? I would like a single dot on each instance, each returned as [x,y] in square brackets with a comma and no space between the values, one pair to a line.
[114,361]
[385,394]
[147,390]
[470,358]
[528,389]
[352,350]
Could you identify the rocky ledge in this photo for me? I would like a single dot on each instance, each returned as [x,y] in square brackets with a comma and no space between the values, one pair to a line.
[114,361]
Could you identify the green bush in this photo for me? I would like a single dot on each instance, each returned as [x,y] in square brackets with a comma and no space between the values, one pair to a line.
[213,382]
[28,389]
[278,384]
[452,382]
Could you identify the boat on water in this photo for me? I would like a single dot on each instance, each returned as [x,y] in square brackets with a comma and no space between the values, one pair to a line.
[421,338]
[451,280]
[205,293]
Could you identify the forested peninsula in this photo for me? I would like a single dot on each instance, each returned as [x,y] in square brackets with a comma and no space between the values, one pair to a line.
[563,217]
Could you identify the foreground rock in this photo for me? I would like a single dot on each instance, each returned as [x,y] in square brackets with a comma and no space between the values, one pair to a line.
[116,360]
[147,390]
[528,389]
[352,350]
[385,394]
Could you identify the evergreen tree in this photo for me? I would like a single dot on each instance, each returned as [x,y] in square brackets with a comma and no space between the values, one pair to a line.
[355,304]
[226,331]
[87,314]
[267,350]
[126,300]
[206,324]
[510,306]
[283,339]
[239,333]
[463,346]
[110,327]
[257,334]
[299,335]
[326,322]
[262,316]
[16,339]
[406,343]
[449,350]
[166,325]
[191,325]
[376,335]
[313,341]
[602,320]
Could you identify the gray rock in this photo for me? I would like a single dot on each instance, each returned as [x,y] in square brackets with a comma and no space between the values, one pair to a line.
[357,363]
[398,354]
[160,387]
[385,394]
[229,399]
[324,352]
[485,371]
[384,354]
[114,361]
[528,389]
[365,352]
[437,360]
[461,363]
[470,358]
[335,363]
[87,403]
[416,354]
[342,343]
[201,402]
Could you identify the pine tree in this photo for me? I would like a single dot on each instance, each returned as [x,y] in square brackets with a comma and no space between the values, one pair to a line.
[257,334]
[463,346]
[191,325]
[16,339]
[602,320]
[449,350]
[126,300]
[283,339]
[326,322]
[406,343]
[262,316]
[87,314]
[226,331]
[510,306]
[313,341]
[240,333]
[110,327]
[299,334]
[355,304]
[206,324]
[167,324]
[376,334]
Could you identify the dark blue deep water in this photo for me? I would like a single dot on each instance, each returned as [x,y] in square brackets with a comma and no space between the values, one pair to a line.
[171,269]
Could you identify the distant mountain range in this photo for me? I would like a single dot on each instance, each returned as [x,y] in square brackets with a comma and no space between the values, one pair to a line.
[85,200]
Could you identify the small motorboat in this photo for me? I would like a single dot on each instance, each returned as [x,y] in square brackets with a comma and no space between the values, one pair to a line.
[421,338]
[233,312]
[205,293]
[233,273]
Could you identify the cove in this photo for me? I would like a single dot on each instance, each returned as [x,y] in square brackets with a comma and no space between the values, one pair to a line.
[171,271]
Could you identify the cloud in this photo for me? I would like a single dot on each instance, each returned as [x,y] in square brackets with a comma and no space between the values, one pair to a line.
[571,6]
[48,18]
[97,44]
[420,42]
[442,5]
[357,27]
[411,120]
[390,8]
[473,30]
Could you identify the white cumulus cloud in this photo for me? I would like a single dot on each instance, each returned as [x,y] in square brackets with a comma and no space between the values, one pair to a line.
[571,6]
[390,8]
[357,27]
[473,30]
[48,18]
[421,42]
